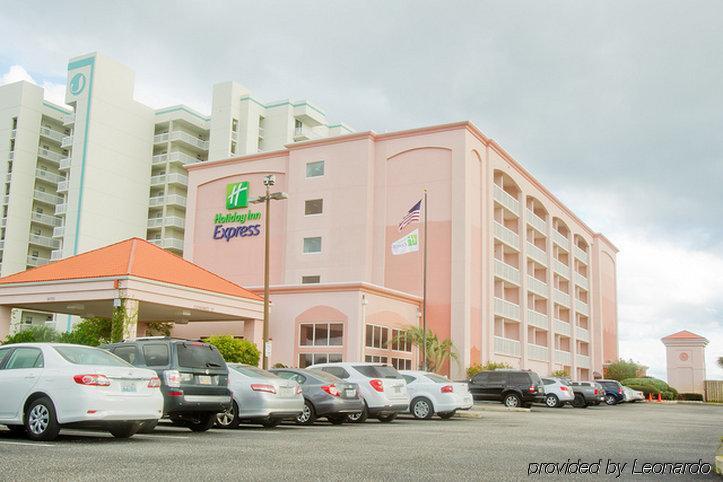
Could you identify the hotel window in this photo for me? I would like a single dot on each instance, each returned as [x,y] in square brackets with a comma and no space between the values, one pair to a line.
[400,344]
[312,245]
[298,124]
[313,206]
[310,280]
[376,336]
[234,125]
[375,359]
[315,169]
[321,334]
[308,359]
[233,147]
[402,363]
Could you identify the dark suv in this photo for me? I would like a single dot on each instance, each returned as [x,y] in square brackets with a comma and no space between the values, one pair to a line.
[514,388]
[194,378]
[613,391]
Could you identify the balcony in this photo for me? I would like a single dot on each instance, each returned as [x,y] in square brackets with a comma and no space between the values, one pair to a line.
[561,298]
[8,177]
[581,281]
[168,243]
[561,240]
[507,346]
[537,254]
[168,221]
[506,200]
[536,222]
[11,155]
[61,209]
[56,254]
[537,352]
[538,287]
[45,219]
[47,198]
[2,245]
[506,235]
[560,268]
[13,133]
[304,133]
[507,272]
[44,241]
[68,119]
[63,186]
[172,178]
[507,309]
[540,320]
[64,164]
[59,232]
[582,334]
[563,328]
[582,307]
[48,176]
[49,155]
[563,357]
[66,142]
[234,136]
[3,222]
[581,255]
[583,361]
[159,159]
[37,261]
[6,199]
[181,136]
[170,199]
[51,134]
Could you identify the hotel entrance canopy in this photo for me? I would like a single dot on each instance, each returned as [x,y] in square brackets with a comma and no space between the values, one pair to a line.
[148,283]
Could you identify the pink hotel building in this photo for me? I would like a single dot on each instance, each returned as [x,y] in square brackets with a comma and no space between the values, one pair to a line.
[514,275]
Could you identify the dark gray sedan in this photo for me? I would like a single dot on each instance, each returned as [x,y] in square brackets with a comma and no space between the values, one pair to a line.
[324,395]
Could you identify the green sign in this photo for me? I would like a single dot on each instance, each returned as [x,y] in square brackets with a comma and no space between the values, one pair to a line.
[237,195]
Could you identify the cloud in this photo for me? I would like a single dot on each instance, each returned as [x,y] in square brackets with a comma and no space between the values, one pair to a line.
[53,92]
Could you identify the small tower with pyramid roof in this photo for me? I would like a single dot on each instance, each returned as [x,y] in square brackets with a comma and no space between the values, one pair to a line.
[685,353]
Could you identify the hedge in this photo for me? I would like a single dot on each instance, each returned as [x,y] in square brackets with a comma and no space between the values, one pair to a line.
[652,386]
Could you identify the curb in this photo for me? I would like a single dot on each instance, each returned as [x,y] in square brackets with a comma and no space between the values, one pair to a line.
[469,414]
[497,408]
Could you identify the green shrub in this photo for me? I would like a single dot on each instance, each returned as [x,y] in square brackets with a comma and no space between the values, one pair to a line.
[560,374]
[89,331]
[653,386]
[33,334]
[234,350]
[622,370]
[694,397]
[479,367]
[159,328]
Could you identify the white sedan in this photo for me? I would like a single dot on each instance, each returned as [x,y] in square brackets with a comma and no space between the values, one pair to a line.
[431,393]
[47,386]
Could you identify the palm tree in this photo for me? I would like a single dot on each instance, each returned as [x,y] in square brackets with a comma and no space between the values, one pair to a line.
[438,352]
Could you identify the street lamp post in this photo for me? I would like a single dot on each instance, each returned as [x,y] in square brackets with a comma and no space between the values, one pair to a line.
[269,181]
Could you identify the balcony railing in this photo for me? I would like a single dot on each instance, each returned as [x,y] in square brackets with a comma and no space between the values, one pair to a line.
[68,119]
[168,243]
[537,352]
[560,268]
[234,136]
[540,320]
[46,197]
[56,254]
[563,328]
[174,157]
[64,164]
[61,209]
[536,222]
[582,334]
[581,281]
[582,307]
[304,133]
[37,261]
[171,199]
[537,254]
[2,245]
[561,298]
[507,272]
[49,133]
[181,136]
[583,361]
[48,176]
[45,241]
[63,186]
[59,232]
[561,240]
[537,286]
[169,221]
[506,199]
[66,142]
[45,219]
[507,309]
[49,155]
[172,178]
[506,235]
[507,346]
[564,357]
[3,222]
[581,255]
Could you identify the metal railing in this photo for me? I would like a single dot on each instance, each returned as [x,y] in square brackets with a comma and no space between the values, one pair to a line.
[49,133]
[563,328]
[506,199]
[37,261]
[537,286]
[536,222]
[506,235]
[581,255]
[46,219]
[46,197]
[507,309]
[49,155]
[48,176]
[561,297]
[537,352]
[564,357]
[538,319]
[561,240]
[507,346]
[507,272]
[582,307]
[537,254]
[46,241]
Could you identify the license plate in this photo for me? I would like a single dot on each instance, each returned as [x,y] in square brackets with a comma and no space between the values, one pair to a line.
[128,387]
[204,380]
[350,393]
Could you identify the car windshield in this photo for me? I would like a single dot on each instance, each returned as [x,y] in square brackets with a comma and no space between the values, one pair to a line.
[81,355]
[322,375]
[198,355]
[378,371]
[436,378]
[254,372]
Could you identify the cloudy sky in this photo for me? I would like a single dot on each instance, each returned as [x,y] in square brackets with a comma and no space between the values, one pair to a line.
[616,106]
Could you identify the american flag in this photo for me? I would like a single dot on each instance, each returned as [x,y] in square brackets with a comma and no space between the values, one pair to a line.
[412,216]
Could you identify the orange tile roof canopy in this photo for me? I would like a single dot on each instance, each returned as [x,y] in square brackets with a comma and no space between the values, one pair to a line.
[684,335]
[132,257]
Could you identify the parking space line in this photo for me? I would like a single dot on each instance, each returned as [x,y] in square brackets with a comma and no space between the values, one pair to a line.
[160,436]
[31,444]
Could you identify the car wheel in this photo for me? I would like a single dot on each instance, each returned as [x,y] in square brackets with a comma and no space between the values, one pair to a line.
[148,426]
[41,422]
[359,417]
[124,430]
[17,429]
[307,415]
[271,422]
[447,415]
[512,400]
[552,401]
[579,401]
[422,408]
[202,422]
[336,419]
[387,418]
[610,400]
[228,418]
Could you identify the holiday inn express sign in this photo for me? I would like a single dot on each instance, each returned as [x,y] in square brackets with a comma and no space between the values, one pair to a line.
[237,197]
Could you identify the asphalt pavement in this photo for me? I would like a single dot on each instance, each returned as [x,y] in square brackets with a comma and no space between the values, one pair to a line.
[497,445]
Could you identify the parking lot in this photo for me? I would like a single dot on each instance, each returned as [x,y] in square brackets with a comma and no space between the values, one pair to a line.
[499,445]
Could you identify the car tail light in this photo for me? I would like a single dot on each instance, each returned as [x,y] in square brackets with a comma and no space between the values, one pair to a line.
[447,389]
[299,391]
[92,380]
[154,382]
[595,392]
[172,378]
[175,393]
[377,384]
[331,390]
[563,388]
[262,387]
[620,391]
[532,389]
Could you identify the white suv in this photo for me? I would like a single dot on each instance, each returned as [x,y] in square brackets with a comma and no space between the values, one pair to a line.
[383,388]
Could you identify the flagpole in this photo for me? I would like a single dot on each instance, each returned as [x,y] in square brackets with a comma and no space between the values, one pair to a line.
[424,290]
